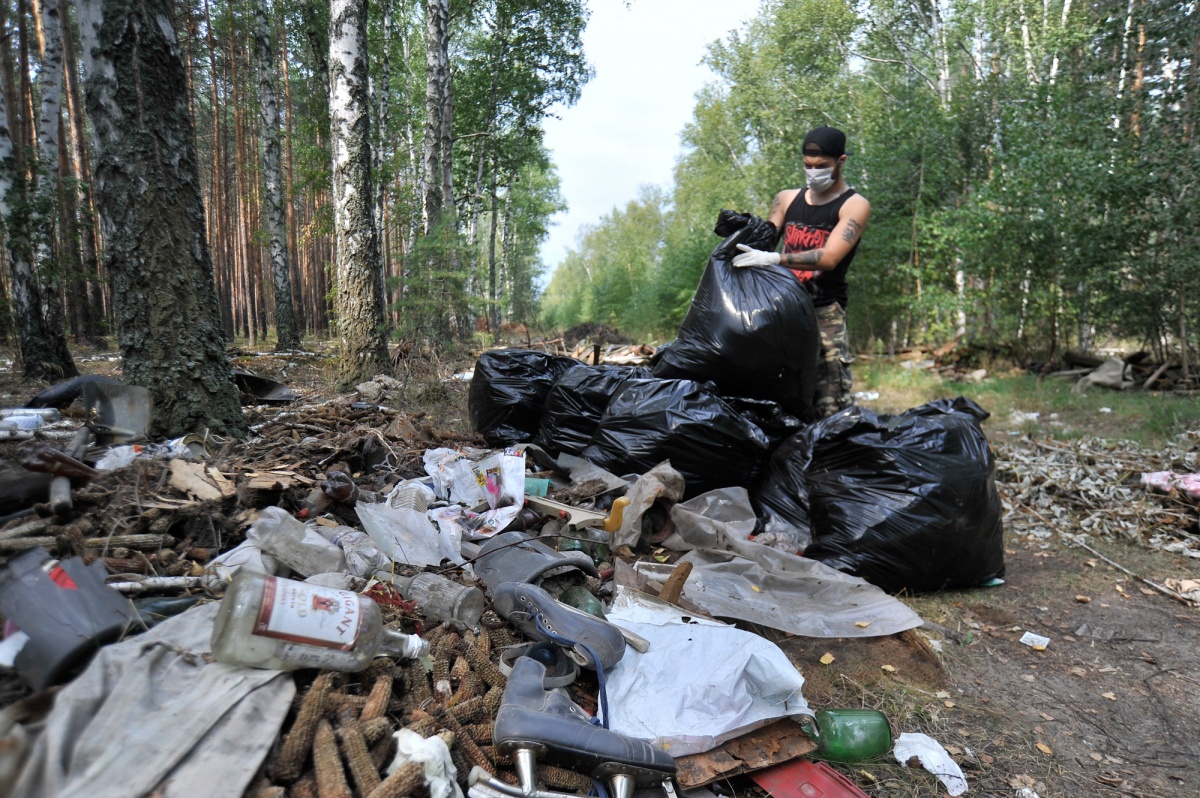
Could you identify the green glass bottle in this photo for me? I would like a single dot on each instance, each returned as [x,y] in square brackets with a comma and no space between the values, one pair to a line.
[848,735]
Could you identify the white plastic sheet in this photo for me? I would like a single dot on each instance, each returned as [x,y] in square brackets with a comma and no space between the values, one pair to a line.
[734,577]
[151,715]
[933,757]
[701,682]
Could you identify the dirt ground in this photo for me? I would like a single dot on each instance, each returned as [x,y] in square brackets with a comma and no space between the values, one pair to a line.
[1107,709]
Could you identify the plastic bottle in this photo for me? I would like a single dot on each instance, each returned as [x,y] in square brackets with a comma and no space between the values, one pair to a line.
[849,735]
[411,495]
[440,598]
[363,557]
[281,624]
[294,545]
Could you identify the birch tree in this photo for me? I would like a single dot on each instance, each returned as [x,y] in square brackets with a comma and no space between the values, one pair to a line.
[152,217]
[42,348]
[363,338]
[273,208]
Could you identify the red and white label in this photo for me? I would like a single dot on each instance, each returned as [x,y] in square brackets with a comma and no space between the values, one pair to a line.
[304,613]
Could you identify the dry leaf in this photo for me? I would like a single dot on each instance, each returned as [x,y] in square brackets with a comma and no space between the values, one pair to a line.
[1044,716]
[948,704]
[987,759]
[1110,696]
[1021,780]
[941,694]
[887,668]
[954,750]
[1045,749]
[862,624]
[1096,757]
[1083,599]
[1091,563]
[827,658]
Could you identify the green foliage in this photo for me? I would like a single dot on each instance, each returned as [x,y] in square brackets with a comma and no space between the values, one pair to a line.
[1032,169]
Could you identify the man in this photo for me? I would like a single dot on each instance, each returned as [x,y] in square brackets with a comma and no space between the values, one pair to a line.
[822,224]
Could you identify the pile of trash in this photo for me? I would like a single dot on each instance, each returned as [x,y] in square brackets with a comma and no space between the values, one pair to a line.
[492,623]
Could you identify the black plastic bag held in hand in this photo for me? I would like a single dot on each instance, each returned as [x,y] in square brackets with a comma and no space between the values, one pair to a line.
[907,502]
[752,331]
[508,391]
[704,437]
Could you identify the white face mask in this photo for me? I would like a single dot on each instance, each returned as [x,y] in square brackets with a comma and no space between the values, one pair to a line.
[819,180]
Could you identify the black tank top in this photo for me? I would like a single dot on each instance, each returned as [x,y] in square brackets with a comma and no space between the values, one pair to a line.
[808,227]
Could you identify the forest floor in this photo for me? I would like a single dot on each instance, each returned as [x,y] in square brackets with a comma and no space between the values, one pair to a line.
[1108,708]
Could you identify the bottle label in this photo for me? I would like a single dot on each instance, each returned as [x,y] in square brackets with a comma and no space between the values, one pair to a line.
[304,613]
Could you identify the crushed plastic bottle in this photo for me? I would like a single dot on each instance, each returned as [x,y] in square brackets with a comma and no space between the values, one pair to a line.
[411,495]
[363,557]
[281,624]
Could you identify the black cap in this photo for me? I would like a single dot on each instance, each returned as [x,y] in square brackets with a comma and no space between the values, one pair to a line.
[827,141]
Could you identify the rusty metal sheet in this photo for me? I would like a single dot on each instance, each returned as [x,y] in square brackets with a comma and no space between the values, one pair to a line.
[778,742]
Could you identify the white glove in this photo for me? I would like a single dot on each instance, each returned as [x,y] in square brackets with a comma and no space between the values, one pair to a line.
[755,257]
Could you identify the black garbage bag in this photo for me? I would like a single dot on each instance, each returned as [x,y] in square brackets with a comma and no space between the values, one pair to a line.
[907,502]
[781,500]
[508,391]
[752,331]
[686,422]
[577,401]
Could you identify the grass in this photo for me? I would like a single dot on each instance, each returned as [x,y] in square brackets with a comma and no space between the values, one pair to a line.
[1146,417]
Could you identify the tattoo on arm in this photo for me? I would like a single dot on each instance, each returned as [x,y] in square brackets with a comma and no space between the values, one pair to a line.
[808,258]
[852,232]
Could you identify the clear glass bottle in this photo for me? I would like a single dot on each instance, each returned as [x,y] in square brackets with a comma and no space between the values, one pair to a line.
[269,622]
[440,598]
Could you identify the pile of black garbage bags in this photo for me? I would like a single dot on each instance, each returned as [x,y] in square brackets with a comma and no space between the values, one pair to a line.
[908,502]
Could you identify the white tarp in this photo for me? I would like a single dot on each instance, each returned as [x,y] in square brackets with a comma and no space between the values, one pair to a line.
[700,683]
[153,714]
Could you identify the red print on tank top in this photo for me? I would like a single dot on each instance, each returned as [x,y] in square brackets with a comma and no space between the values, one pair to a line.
[797,238]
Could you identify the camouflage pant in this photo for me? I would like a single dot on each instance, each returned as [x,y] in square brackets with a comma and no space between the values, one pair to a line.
[834,384]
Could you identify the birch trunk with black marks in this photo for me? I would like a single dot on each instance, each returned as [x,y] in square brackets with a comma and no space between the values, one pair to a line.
[360,317]
[43,351]
[152,216]
[281,275]
[437,87]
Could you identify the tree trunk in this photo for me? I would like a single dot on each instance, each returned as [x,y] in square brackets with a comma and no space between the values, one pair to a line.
[437,83]
[97,300]
[148,194]
[359,273]
[43,351]
[285,317]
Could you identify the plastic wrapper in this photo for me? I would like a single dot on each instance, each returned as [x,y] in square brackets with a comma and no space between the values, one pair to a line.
[508,390]
[576,403]
[706,440]
[753,331]
[907,502]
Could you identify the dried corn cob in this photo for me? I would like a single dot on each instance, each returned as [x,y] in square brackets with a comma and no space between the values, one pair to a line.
[481,733]
[481,663]
[425,727]
[293,753]
[483,640]
[305,787]
[406,780]
[463,740]
[468,687]
[563,779]
[445,646]
[377,701]
[269,792]
[441,674]
[460,668]
[417,684]
[492,699]
[358,758]
[376,729]
[331,778]
[381,752]
[336,700]
[469,711]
